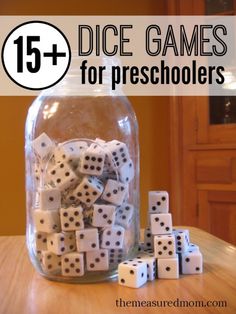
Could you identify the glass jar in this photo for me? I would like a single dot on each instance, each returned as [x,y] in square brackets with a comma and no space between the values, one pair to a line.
[82,181]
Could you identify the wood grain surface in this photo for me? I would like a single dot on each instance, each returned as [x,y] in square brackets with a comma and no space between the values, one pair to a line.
[24,291]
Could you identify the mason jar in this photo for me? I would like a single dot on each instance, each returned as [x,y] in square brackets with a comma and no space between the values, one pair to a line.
[82,180]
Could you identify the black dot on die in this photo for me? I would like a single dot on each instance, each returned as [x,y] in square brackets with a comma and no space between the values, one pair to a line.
[102,254]
[142,274]
[117,243]
[156,219]
[167,268]
[187,259]
[67,174]
[170,252]
[118,233]
[85,167]
[167,228]
[160,253]
[41,221]
[158,203]
[94,193]
[61,165]
[99,159]
[107,243]
[97,260]
[81,236]
[92,265]
[197,268]
[162,224]
[164,247]
[122,280]
[51,199]
[163,198]
[93,245]
[153,207]
[77,270]
[108,194]
[131,272]
[86,157]
[92,167]
[115,191]
[58,180]
[178,237]
[43,144]
[159,242]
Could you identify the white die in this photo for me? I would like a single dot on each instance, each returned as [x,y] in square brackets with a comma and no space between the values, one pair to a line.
[164,246]
[124,215]
[148,239]
[92,160]
[88,191]
[43,145]
[97,260]
[158,202]
[117,153]
[72,218]
[161,223]
[47,220]
[69,152]
[191,262]
[50,262]
[40,241]
[151,265]
[62,176]
[114,192]
[50,198]
[168,268]
[181,240]
[103,215]
[113,237]
[132,273]
[72,264]
[126,172]
[61,243]
[87,240]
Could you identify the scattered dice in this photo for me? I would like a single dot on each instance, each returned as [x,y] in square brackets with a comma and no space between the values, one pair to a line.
[173,253]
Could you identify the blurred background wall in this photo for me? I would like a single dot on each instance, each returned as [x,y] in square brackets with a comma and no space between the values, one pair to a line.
[152,114]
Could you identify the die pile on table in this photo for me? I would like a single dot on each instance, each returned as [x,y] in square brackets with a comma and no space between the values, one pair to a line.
[80,211]
[165,252]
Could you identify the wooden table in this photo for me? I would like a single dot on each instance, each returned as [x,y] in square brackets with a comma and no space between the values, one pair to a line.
[23,291]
